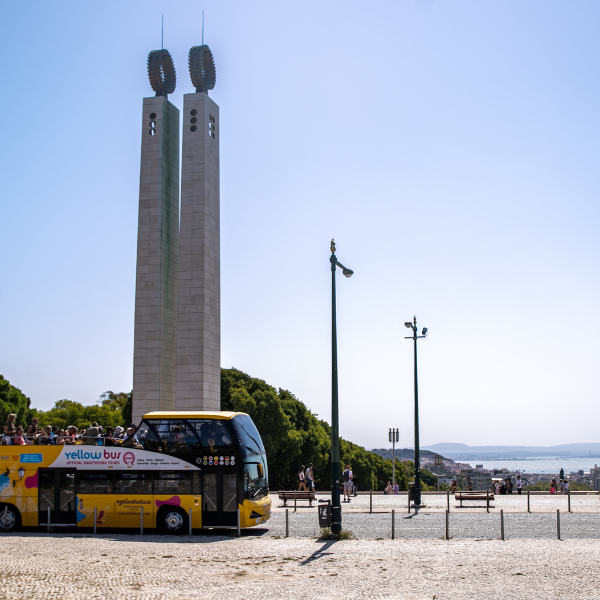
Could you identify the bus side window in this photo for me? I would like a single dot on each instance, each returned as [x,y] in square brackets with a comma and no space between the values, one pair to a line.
[93,482]
[174,482]
[133,483]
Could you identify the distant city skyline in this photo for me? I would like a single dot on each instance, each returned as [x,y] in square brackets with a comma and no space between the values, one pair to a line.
[450,150]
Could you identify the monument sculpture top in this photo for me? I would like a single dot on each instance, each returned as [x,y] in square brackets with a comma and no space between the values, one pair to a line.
[161,72]
[202,68]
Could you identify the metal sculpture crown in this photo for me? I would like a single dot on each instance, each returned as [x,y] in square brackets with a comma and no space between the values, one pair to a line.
[161,72]
[202,68]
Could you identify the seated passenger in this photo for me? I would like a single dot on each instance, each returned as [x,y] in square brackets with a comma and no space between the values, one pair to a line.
[130,440]
[20,439]
[214,437]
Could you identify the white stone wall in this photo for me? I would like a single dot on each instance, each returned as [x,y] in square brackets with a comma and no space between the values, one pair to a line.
[155,336]
[199,299]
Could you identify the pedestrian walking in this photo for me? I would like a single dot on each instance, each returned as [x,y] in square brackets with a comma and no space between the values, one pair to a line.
[347,479]
[310,478]
[510,487]
[566,487]
[519,485]
[355,484]
[301,477]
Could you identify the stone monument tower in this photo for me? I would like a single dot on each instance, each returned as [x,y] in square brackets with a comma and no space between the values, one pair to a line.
[155,337]
[199,299]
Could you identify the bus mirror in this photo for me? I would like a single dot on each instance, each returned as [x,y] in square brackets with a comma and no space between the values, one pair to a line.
[259,468]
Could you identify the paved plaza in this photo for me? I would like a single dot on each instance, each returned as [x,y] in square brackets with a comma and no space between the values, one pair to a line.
[264,567]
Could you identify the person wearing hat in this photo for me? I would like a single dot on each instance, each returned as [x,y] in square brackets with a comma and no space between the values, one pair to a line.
[347,479]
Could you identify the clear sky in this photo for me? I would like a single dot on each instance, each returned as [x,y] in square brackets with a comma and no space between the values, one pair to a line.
[450,148]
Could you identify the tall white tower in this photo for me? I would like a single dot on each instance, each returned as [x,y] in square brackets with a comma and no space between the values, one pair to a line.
[199,296]
[154,354]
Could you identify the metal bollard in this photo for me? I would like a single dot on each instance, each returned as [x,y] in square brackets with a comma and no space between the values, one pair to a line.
[448,500]
[447,524]
[294,500]
[501,524]
[408,496]
[190,520]
[287,522]
[569,499]
[141,520]
[239,524]
[558,523]
[528,502]
[371,502]
[48,519]
[487,495]
[95,518]
[393,522]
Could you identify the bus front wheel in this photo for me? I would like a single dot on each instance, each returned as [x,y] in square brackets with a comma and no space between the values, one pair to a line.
[10,518]
[173,521]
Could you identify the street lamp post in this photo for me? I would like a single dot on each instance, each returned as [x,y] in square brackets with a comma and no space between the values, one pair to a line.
[336,507]
[415,337]
[394,437]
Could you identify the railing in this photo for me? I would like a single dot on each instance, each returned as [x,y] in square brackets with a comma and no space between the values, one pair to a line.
[60,440]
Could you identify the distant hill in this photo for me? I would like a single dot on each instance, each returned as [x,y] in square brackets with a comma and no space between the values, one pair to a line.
[403,453]
[465,452]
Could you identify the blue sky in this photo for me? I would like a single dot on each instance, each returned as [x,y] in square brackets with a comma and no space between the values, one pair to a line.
[450,148]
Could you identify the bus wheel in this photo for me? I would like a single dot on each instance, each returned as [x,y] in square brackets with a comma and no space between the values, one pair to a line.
[173,521]
[10,519]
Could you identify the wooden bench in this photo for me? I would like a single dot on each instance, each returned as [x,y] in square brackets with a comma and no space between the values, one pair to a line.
[285,496]
[487,496]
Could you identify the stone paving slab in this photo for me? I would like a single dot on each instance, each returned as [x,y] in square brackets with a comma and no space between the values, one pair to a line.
[255,567]
[433,525]
[438,502]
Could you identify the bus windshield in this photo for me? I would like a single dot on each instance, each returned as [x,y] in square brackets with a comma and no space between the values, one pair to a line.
[247,436]
[256,479]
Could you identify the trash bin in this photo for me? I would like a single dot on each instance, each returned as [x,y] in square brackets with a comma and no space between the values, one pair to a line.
[411,492]
[325,514]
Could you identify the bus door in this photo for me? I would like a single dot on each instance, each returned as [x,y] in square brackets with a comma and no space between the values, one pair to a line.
[219,498]
[56,488]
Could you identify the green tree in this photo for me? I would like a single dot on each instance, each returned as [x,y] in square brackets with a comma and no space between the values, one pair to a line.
[13,400]
[119,401]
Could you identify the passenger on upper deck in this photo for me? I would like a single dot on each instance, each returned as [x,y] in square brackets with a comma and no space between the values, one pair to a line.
[214,436]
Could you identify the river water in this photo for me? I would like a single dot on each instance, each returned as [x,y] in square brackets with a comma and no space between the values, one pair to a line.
[550,466]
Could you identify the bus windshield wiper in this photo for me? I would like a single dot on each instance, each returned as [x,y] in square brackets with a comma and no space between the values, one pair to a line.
[260,489]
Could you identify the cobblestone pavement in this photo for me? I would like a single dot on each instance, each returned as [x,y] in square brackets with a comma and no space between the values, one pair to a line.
[253,567]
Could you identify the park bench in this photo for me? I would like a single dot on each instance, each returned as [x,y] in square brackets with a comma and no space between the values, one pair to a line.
[285,496]
[487,496]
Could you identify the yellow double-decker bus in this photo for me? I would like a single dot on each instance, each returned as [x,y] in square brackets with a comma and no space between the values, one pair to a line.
[184,471]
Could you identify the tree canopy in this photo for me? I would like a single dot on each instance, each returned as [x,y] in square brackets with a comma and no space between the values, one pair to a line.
[293,436]
[13,400]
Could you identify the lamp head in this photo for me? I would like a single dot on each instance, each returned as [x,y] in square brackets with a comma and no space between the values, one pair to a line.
[424,331]
[408,325]
[21,472]
[348,272]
